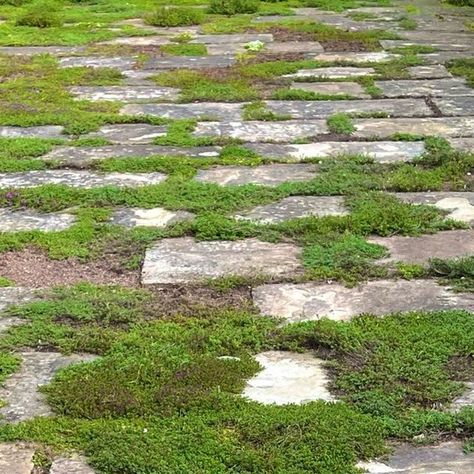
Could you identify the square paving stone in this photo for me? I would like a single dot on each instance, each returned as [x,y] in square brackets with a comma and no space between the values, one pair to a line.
[125,93]
[447,244]
[257,131]
[184,260]
[435,71]
[421,87]
[333,72]
[332,88]
[266,175]
[120,63]
[15,221]
[45,131]
[455,106]
[130,133]
[156,217]
[310,301]
[191,62]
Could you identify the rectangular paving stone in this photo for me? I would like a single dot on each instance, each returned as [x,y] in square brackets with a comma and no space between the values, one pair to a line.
[125,93]
[155,40]
[191,62]
[15,221]
[439,45]
[266,175]
[77,179]
[455,106]
[444,56]
[256,131]
[233,38]
[332,88]
[356,58]
[420,87]
[435,71]
[77,465]
[293,47]
[437,126]
[184,260]
[308,109]
[217,110]
[446,245]
[34,50]
[310,301]
[334,72]
[120,63]
[129,133]
[43,131]
[156,217]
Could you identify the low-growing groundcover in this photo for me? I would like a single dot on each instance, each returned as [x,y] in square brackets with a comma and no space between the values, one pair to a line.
[164,395]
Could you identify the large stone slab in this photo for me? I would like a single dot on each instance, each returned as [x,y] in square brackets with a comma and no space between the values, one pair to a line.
[310,301]
[295,207]
[20,391]
[463,105]
[124,93]
[77,465]
[435,71]
[255,131]
[266,175]
[156,217]
[16,458]
[332,88]
[424,87]
[288,377]
[184,260]
[15,221]
[120,63]
[12,295]
[439,45]
[437,126]
[355,58]
[45,131]
[190,62]
[445,458]
[446,245]
[333,72]
[215,110]
[310,109]
[34,50]
[294,47]
[78,179]
[382,151]
[129,133]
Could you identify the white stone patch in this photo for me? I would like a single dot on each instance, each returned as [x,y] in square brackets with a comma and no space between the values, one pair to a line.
[15,221]
[333,72]
[288,377]
[157,217]
[461,209]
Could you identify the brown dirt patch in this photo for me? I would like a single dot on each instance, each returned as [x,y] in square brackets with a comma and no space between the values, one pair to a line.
[344,46]
[34,269]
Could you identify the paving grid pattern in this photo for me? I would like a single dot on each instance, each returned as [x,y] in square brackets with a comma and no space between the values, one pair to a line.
[430,101]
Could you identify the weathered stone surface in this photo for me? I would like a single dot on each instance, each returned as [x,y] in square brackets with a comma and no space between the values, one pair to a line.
[445,458]
[34,50]
[233,38]
[420,87]
[438,126]
[120,63]
[443,56]
[256,131]
[20,390]
[334,72]
[16,458]
[350,57]
[266,175]
[435,71]
[78,179]
[463,105]
[216,110]
[14,221]
[294,207]
[459,204]
[76,465]
[129,133]
[310,301]
[45,131]
[157,217]
[311,109]
[383,152]
[465,400]
[10,296]
[184,260]
[125,94]
[192,62]
[288,377]
[447,244]
[83,155]
[332,88]
[294,47]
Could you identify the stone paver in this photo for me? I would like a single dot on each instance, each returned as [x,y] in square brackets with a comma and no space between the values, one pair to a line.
[157,217]
[76,465]
[124,93]
[465,45]
[20,391]
[78,179]
[294,207]
[435,71]
[184,260]
[294,47]
[267,175]
[332,88]
[129,133]
[333,72]
[15,221]
[445,458]
[424,87]
[233,38]
[356,58]
[16,458]
[192,62]
[255,131]
[120,63]
[10,296]
[288,377]
[46,131]
[465,400]
[443,56]
[34,50]
[310,301]
[447,244]
[463,105]
[462,144]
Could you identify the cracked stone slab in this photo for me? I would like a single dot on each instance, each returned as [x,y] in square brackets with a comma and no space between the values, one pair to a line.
[266,175]
[15,221]
[34,50]
[124,93]
[43,131]
[424,87]
[295,207]
[332,88]
[215,110]
[288,377]
[87,154]
[356,58]
[457,106]
[444,458]
[184,260]
[446,245]
[76,465]
[120,63]
[307,109]
[434,71]
[13,295]
[310,301]
[191,62]
[460,205]
[334,72]
[381,151]
[156,217]
[20,390]
[16,458]
[78,179]
[464,400]
[258,131]
[130,133]
[437,126]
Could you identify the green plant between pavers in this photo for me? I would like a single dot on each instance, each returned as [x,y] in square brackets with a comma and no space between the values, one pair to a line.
[340,123]
[407,23]
[41,14]
[175,16]
[233,7]
[463,68]
[259,111]
[185,49]
[5,282]
[458,272]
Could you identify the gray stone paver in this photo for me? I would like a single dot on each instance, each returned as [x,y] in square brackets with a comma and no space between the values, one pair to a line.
[14,221]
[466,399]
[435,71]
[76,465]
[10,296]
[333,72]
[332,88]
[16,458]
[191,62]
[124,93]
[156,217]
[45,131]
[423,87]
[356,58]
[130,133]
[463,105]
[120,63]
